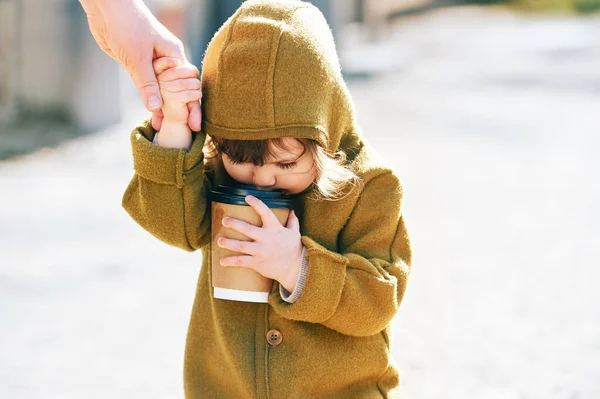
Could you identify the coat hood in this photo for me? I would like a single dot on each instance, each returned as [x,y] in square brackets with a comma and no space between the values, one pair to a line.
[272,70]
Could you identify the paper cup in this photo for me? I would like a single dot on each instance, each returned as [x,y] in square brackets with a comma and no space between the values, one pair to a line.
[241,283]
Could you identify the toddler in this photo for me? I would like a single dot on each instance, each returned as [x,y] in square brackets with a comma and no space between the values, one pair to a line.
[277,114]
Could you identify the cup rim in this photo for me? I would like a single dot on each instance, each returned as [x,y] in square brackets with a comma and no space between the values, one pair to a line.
[236,194]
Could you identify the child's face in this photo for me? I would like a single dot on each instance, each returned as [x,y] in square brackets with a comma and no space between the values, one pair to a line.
[289,170]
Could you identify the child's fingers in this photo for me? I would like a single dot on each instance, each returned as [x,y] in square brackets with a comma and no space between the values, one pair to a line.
[240,261]
[184,97]
[163,63]
[178,85]
[157,118]
[245,247]
[292,222]
[247,229]
[195,115]
[180,72]
[267,216]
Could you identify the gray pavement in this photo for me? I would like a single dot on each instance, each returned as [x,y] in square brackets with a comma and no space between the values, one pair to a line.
[491,120]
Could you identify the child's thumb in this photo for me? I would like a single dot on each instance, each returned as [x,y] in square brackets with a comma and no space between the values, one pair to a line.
[292,221]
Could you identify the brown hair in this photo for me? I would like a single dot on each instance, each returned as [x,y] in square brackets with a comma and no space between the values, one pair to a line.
[333,173]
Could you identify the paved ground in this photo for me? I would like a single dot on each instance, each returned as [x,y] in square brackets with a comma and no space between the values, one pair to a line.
[491,119]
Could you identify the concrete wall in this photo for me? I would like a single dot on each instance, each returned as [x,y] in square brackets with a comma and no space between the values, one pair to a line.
[43,47]
[96,97]
[8,37]
[59,69]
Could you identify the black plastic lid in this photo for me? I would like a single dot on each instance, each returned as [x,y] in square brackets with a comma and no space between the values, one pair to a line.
[234,195]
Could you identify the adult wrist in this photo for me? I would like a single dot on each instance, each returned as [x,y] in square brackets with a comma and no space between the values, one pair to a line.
[110,7]
[100,4]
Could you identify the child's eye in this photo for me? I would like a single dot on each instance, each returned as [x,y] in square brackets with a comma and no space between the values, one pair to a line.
[286,165]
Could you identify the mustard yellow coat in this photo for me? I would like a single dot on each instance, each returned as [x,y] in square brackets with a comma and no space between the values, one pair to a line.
[272,71]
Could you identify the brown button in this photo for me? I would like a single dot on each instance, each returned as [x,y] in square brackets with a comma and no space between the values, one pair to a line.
[274,337]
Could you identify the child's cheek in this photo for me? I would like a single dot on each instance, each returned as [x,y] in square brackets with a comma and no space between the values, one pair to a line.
[239,173]
[295,184]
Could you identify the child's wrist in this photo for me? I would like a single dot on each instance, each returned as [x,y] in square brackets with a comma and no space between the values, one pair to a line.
[289,282]
[174,134]
[175,125]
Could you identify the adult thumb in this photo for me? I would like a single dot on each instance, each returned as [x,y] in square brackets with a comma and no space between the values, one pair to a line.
[144,79]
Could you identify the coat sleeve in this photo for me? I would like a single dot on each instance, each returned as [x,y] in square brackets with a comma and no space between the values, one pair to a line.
[167,194]
[358,291]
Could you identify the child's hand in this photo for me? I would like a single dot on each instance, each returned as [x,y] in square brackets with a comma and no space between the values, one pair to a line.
[276,251]
[178,86]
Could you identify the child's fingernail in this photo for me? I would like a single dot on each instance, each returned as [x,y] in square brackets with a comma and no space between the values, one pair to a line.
[224,220]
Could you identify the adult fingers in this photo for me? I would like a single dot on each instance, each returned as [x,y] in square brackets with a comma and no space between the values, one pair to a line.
[178,85]
[98,30]
[240,261]
[267,216]
[245,247]
[247,229]
[144,78]
[167,44]
[163,63]
[195,116]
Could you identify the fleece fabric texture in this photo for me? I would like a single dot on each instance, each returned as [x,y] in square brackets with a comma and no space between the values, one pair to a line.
[270,71]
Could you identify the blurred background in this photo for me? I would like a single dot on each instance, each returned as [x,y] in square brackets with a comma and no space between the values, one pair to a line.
[488,111]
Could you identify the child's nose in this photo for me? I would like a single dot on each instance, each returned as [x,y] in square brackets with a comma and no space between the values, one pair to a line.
[263,179]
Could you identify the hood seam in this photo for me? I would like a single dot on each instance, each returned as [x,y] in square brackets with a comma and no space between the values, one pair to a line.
[225,45]
[272,63]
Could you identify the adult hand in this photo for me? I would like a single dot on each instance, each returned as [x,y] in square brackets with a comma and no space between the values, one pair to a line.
[128,32]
